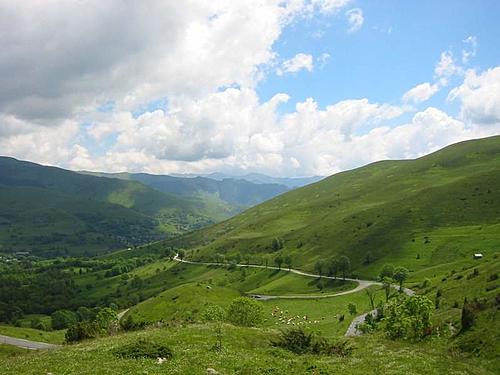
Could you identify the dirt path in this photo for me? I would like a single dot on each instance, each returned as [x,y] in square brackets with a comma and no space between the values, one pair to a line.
[27,344]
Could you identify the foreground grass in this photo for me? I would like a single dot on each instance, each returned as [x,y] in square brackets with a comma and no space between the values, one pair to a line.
[52,337]
[245,351]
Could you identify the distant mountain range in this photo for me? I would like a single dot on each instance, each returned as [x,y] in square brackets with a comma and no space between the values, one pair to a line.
[258,178]
[51,211]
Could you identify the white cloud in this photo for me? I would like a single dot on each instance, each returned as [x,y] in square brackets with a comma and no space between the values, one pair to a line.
[355,19]
[480,96]
[421,92]
[323,59]
[300,61]
[470,51]
[447,67]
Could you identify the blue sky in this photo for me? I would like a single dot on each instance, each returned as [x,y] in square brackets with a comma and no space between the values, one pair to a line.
[397,48]
[287,88]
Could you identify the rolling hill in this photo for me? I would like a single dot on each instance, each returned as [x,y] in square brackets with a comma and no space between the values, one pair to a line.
[225,197]
[419,213]
[52,211]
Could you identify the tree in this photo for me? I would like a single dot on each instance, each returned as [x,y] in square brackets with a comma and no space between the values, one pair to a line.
[386,271]
[333,267]
[409,319]
[246,312]
[318,267]
[278,261]
[107,319]
[344,265]
[63,319]
[371,295]
[81,331]
[467,316]
[386,285]
[352,308]
[181,254]
[277,244]
[288,262]
[400,275]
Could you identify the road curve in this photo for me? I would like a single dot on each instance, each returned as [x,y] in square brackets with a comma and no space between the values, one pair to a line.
[352,330]
[27,344]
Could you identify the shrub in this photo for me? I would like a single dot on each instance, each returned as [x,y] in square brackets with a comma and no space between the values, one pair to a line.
[82,331]
[37,323]
[300,342]
[467,316]
[143,349]
[244,311]
[63,319]
[129,324]
[408,319]
[352,308]
[493,276]
[213,313]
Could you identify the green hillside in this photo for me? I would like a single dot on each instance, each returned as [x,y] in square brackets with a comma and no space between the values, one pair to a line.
[436,209]
[223,198]
[52,211]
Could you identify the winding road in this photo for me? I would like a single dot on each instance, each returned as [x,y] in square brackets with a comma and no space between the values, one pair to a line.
[27,344]
[362,284]
[351,330]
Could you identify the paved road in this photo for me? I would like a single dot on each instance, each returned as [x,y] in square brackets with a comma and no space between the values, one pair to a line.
[33,345]
[362,284]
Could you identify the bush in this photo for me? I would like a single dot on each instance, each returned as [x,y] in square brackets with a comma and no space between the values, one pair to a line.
[246,312]
[143,349]
[63,319]
[213,313]
[299,342]
[129,324]
[408,319]
[37,323]
[82,331]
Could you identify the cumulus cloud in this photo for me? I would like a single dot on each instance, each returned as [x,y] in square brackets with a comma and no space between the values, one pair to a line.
[480,96]
[300,61]
[355,19]
[421,92]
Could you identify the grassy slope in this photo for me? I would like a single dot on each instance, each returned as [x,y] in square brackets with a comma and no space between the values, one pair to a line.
[439,208]
[246,351]
[48,209]
[54,337]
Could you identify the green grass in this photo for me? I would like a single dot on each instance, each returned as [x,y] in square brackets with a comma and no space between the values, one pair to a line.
[53,337]
[245,351]
[417,213]
[189,288]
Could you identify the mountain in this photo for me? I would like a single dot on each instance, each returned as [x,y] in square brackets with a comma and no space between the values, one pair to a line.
[258,178]
[52,211]
[225,197]
[418,213]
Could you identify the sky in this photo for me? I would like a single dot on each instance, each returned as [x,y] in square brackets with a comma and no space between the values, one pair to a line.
[281,87]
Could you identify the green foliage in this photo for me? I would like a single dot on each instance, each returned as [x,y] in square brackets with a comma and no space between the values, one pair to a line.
[246,312]
[38,323]
[130,324]
[82,331]
[408,318]
[63,319]
[400,275]
[352,308]
[467,317]
[298,341]
[277,244]
[10,313]
[213,313]
[344,265]
[278,260]
[143,349]
[107,319]
[386,271]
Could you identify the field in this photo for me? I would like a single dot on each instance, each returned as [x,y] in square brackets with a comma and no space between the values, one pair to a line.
[245,351]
